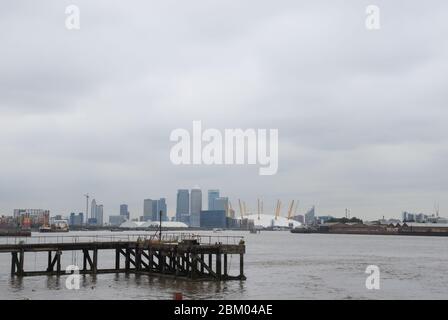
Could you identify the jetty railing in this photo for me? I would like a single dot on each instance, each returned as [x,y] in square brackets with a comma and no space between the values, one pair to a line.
[166,238]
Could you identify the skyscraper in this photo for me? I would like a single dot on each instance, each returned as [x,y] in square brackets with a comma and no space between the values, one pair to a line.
[93,209]
[124,211]
[183,205]
[221,203]
[212,196]
[147,209]
[152,208]
[99,215]
[96,214]
[160,206]
[195,207]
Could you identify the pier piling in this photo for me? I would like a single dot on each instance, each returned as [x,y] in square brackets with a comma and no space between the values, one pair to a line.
[175,257]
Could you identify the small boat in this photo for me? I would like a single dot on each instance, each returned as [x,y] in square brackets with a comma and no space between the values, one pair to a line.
[217,229]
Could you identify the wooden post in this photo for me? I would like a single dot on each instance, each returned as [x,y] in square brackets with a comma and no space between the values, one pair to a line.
[49,262]
[138,259]
[117,259]
[202,266]
[128,260]
[210,261]
[21,258]
[95,260]
[241,265]
[177,264]
[218,265]
[58,262]
[13,262]
[162,262]
[151,259]
[194,265]
[84,260]
[225,265]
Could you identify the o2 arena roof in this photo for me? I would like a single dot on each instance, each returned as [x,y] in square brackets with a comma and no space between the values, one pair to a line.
[267,221]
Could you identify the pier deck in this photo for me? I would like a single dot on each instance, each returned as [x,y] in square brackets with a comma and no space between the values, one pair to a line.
[178,255]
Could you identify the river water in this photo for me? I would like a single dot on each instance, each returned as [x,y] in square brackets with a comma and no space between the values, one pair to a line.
[278,265]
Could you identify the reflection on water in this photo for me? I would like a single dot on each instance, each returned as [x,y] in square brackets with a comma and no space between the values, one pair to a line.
[278,265]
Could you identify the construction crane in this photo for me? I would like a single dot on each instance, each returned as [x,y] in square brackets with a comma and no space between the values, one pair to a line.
[290,210]
[295,208]
[244,208]
[277,209]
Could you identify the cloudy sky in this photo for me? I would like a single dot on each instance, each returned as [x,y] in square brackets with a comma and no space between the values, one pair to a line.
[362,115]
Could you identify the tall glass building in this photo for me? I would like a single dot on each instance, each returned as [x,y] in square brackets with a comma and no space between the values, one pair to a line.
[212,196]
[221,203]
[195,207]
[124,211]
[183,205]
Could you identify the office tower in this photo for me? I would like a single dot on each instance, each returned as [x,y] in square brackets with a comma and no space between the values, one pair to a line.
[152,208]
[182,205]
[124,211]
[147,209]
[221,203]
[93,209]
[212,196]
[160,206]
[195,207]
[76,219]
[99,215]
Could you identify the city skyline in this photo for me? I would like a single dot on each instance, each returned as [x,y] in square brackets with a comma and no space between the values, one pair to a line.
[169,208]
[360,114]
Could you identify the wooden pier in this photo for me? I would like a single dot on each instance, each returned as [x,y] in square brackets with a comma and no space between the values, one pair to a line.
[177,255]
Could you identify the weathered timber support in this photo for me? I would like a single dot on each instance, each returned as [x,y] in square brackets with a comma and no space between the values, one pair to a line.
[208,268]
[138,258]
[128,259]
[14,262]
[210,261]
[242,266]
[87,260]
[95,260]
[194,265]
[117,259]
[225,266]
[21,262]
[49,261]
[202,265]
[218,265]
[58,261]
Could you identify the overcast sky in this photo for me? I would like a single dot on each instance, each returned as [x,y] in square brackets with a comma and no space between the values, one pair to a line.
[362,115]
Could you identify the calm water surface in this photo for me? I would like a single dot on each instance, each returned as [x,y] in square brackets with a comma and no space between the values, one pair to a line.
[278,265]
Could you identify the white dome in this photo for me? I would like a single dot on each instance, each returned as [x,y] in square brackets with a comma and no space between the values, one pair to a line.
[267,221]
[168,224]
[131,224]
